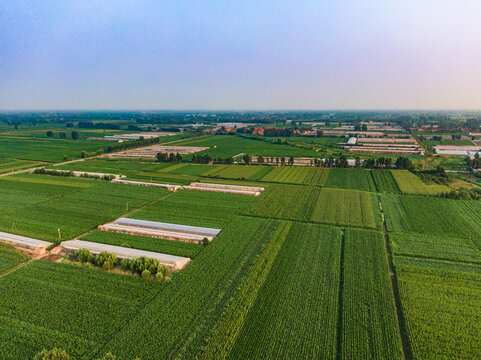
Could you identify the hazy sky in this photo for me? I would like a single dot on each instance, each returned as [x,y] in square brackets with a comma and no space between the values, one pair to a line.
[240,54]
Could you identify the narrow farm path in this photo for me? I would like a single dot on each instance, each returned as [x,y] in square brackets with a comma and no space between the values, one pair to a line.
[406,343]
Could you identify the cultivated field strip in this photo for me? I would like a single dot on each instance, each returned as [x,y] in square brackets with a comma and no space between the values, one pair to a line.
[310,204]
[431,215]
[295,312]
[65,306]
[297,175]
[37,206]
[410,184]
[441,307]
[196,208]
[355,179]
[441,247]
[369,322]
[9,257]
[231,322]
[190,311]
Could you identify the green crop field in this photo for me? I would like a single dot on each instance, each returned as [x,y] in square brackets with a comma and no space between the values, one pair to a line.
[328,206]
[196,208]
[354,179]
[37,206]
[192,303]
[410,184]
[46,304]
[171,247]
[120,167]
[297,175]
[299,296]
[384,181]
[368,299]
[238,171]
[36,145]
[435,247]
[227,146]
[12,165]
[325,263]
[442,311]
[9,257]
[430,215]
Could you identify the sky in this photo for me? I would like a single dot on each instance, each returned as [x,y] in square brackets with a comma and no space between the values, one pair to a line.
[240,54]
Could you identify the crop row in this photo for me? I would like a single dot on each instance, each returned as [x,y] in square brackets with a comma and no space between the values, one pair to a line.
[369,322]
[9,257]
[231,322]
[441,308]
[295,313]
[432,215]
[196,208]
[81,307]
[185,312]
[40,209]
[329,206]
[410,184]
[435,246]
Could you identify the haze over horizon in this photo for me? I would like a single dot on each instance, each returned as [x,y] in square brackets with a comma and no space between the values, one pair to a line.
[243,55]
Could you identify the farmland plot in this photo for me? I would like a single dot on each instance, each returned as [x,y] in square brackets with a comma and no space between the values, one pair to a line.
[238,171]
[120,167]
[347,207]
[295,312]
[369,323]
[9,257]
[196,208]
[435,246]
[285,202]
[384,181]
[441,308]
[73,205]
[410,184]
[430,215]
[298,175]
[228,146]
[47,304]
[196,297]
[355,179]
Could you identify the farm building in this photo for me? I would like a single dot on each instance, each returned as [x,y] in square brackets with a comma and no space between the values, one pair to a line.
[38,246]
[174,262]
[161,230]
[225,188]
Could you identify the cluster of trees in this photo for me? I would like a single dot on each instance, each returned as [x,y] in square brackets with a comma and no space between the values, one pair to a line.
[463,194]
[43,171]
[202,159]
[376,163]
[360,127]
[474,163]
[166,157]
[84,154]
[98,125]
[340,162]
[146,267]
[279,132]
[133,144]
[62,134]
